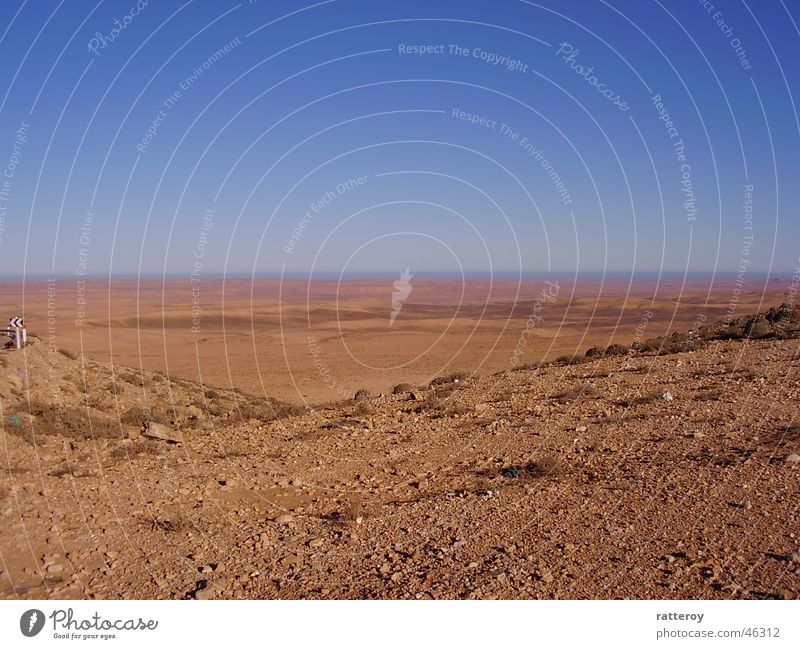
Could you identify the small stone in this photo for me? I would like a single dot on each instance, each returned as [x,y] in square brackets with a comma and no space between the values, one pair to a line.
[284,519]
[794,458]
[547,576]
[290,560]
[212,590]
[396,576]
[472,564]
[162,431]
[580,429]
[194,412]
[667,396]
[315,543]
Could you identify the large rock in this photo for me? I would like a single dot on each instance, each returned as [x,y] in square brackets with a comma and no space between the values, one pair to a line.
[162,431]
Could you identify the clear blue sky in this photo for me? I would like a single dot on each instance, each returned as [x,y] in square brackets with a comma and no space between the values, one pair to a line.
[311,96]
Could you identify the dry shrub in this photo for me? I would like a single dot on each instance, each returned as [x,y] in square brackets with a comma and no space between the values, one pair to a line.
[459,409]
[402,388]
[445,390]
[431,403]
[549,466]
[139,380]
[172,522]
[573,394]
[708,393]
[568,359]
[594,352]
[449,378]
[361,394]
[757,327]
[673,344]
[530,366]
[68,353]
[642,399]
[364,408]
[617,350]
[140,415]
[349,511]
[50,419]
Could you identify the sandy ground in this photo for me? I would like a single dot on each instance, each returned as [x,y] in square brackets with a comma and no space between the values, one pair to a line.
[624,477]
[316,342]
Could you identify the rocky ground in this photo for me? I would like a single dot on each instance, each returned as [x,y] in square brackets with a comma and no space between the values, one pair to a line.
[637,475]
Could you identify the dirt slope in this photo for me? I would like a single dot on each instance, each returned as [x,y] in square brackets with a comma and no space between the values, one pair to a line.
[637,476]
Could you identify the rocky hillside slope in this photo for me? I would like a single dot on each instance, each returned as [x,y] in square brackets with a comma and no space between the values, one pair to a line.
[671,470]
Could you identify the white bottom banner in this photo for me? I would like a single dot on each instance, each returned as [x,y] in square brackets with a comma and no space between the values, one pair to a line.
[401,624]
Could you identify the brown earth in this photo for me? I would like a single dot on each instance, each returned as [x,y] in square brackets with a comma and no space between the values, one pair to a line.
[320,341]
[668,472]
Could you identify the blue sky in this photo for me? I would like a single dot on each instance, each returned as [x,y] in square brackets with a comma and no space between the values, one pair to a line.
[190,156]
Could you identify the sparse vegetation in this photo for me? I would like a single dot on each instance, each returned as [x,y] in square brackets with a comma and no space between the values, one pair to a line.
[454,377]
[573,394]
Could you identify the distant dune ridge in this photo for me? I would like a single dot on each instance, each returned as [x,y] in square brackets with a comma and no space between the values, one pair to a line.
[669,468]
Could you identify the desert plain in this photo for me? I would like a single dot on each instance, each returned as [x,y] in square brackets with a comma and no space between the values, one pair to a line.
[284,439]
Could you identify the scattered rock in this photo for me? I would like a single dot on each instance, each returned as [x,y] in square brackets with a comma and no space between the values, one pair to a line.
[794,458]
[667,396]
[162,431]
[284,519]
[194,412]
[210,590]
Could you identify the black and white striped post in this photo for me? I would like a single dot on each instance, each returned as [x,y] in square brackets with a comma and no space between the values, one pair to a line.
[20,335]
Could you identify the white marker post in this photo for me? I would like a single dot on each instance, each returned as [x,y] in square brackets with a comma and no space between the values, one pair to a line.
[20,334]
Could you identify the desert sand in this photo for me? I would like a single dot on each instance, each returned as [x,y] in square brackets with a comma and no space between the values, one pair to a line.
[670,469]
[312,342]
